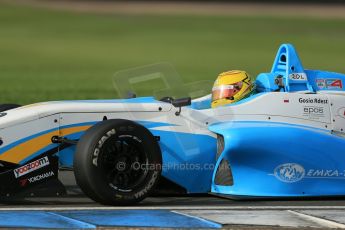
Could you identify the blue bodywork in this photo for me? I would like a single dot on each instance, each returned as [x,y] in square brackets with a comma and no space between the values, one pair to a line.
[278,159]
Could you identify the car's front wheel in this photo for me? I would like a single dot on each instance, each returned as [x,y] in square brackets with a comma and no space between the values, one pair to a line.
[117,162]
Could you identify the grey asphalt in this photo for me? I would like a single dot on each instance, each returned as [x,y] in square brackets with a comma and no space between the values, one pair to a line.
[250,214]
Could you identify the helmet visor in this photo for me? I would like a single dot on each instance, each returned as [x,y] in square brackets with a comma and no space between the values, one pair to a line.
[226,91]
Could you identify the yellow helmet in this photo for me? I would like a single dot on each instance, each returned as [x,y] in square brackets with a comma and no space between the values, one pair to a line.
[230,87]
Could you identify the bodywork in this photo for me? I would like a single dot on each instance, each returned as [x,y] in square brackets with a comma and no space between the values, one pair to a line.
[286,140]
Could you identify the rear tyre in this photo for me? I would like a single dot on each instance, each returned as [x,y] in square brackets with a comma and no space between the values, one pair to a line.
[117,162]
[5,107]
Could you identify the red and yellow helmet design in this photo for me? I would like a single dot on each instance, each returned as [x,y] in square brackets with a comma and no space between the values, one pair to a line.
[230,87]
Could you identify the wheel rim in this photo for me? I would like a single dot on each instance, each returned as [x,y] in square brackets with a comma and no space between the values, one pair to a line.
[124,162]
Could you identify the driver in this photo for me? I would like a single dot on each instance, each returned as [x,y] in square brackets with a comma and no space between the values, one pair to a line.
[230,87]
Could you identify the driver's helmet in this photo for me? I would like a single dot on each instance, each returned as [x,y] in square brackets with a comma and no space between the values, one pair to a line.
[230,87]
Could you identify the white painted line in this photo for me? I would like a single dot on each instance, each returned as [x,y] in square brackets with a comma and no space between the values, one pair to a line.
[318,220]
[71,220]
[198,218]
[62,208]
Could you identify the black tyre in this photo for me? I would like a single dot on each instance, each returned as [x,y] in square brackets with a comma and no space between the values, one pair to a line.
[117,162]
[5,107]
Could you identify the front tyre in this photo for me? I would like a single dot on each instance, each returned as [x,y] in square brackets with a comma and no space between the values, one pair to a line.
[117,162]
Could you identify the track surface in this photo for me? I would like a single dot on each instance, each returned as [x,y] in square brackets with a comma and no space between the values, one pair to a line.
[313,213]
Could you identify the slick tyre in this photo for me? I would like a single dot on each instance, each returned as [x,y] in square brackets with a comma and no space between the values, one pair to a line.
[117,162]
[5,107]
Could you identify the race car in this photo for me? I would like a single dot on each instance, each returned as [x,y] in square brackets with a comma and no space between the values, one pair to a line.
[285,140]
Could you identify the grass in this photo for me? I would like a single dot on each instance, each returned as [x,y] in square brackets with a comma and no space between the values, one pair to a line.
[56,55]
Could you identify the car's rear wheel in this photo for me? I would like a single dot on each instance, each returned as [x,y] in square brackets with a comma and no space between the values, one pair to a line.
[5,107]
[117,162]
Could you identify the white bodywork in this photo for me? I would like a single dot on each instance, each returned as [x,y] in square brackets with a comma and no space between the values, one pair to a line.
[323,111]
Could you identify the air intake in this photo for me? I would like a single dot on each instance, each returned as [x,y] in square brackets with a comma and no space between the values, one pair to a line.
[224,174]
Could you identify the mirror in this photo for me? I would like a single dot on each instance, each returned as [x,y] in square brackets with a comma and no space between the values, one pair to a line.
[182,102]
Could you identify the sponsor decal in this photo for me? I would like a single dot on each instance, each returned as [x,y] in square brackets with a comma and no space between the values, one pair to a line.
[27,181]
[148,186]
[312,101]
[298,77]
[334,84]
[30,167]
[41,177]
[99,146]
[292,172]
[324,173]
[23,182]
[313,112]
[289,172]
[286,100]
[329,83]
[321,83]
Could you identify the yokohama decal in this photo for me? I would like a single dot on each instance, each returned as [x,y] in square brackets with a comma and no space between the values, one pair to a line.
[41,177]
[32,166]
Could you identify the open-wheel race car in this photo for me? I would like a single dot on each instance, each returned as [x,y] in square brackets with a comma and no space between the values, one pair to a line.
[285,140]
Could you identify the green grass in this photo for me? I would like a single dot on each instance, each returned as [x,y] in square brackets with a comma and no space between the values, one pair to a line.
[55,55]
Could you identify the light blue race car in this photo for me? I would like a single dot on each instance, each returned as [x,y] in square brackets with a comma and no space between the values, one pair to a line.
[285,140]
